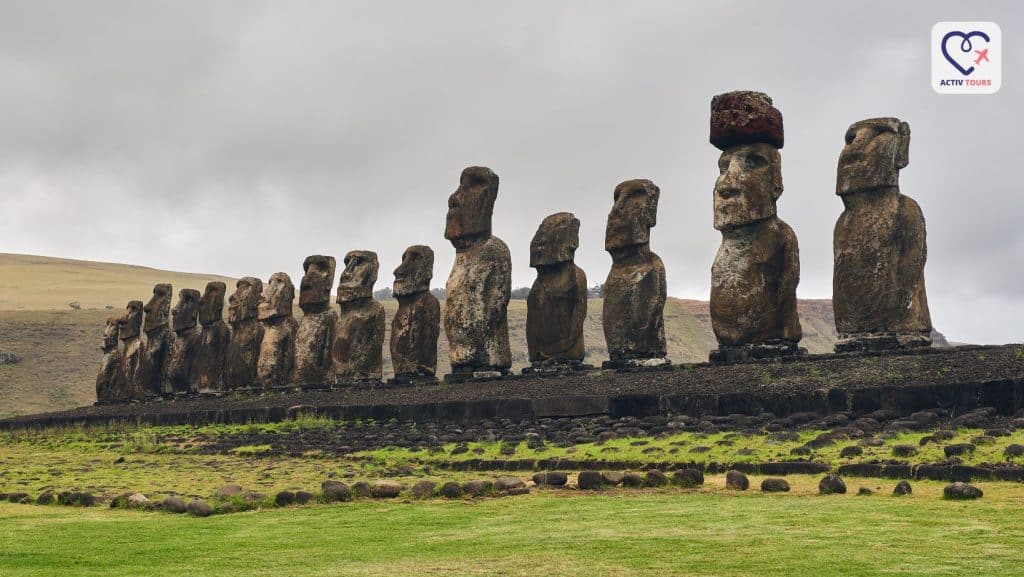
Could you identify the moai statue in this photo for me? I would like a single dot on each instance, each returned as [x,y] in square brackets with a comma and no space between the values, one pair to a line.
[879,244]
[133,374]
[246,334]
[635,291]
[211,358]
[109,385]
[276,363]
[180,376]
[315,337]
[158,339]
[557,304]
[358,351]
[417,324]
[480,284]
[757,268]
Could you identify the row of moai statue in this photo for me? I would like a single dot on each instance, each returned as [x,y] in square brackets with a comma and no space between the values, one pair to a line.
[878,284]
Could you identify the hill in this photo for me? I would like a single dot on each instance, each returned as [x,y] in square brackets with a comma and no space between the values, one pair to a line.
[59,345]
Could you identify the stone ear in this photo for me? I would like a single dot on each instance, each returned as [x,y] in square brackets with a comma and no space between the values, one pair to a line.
[777,186]
[902,158]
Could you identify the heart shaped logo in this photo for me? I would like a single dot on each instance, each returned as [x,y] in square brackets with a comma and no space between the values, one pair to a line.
[965,47]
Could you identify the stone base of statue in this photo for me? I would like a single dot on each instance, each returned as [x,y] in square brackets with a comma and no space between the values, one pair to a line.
[365,382]
[868,342]
[556,367]
[727,354]
[638,364]
[411,379]
[466,374]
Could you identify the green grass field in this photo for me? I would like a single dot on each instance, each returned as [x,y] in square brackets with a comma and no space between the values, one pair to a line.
[665,532]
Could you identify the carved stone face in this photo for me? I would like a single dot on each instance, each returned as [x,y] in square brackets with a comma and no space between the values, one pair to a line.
[358,277]
[130,325]
[556,240]
[471,205]
[158,309]
[315,288]
[110,334]
[876,149]
[244,303]
[277,297]
[186,310]
[211,306]
[414,274]
[749,183]
[634,213]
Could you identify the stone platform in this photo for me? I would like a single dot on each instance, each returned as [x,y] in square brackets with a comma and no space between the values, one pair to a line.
[957,379]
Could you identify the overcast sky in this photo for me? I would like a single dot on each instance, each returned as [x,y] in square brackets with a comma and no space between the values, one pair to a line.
[239,137]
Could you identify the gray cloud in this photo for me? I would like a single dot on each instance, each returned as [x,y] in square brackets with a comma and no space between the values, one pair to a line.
[237,138]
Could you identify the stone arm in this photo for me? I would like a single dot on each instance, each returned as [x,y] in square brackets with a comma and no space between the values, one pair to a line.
[654,310]
[913,251]
[787,287]
[498,283]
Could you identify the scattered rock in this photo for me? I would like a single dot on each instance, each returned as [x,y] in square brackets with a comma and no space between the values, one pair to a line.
[386,489]
[9,359]
[998,432]
[76,498]
[904,450]
[284,498]
[335,491]
[174,504]
[229,490]
[864,491]
[451,490]
[958,449]
[424,489]
[46,498]
[19,497]
[590,480]
[361,489]
[960,490]
[655,478]
[199,508]
[736,480]
[505,484]
[775,485]
[551,479]
[477,487]
[831,485]
[851,451]
[688,478]
[1014,450]
[303,497]
[632,480]
[613,478]
[903,488]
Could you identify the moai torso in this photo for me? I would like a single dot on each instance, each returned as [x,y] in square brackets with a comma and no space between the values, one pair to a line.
[480,284]
[158,340]
[753,285]
[132,378]
[215,337]
[180,375]
[879,244]
[358,350]
[246,334]
[635,290]
[109,388]
[315,335]
[557,304]
[276,363]
[416,326]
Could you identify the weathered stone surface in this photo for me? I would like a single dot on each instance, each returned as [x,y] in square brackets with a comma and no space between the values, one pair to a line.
[284,498]
[551,478]
[335,491]
[386,489]
[757,268]
[246,333]
[229,490]
[451,490]
[688,478]
[477,487]
[358,351]
[736,480]
[133,373]
[879,247]
[775,485]
[557,304]
[635,290]
[158,340]
[505,484]
[109,385]
[215,337]
[832,485]
[417,324]
[174,504]
[590,480]
[902,488]
[198,507]
[424,489]
[180,369]
[480,284]
[303,497]
[655,478]
[743,117]
[276,363]
[963,491]
[315,337]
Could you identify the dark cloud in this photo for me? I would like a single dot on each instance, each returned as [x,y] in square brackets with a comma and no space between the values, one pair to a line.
[240,137]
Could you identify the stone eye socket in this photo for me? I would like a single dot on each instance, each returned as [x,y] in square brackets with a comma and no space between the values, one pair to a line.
[755,161]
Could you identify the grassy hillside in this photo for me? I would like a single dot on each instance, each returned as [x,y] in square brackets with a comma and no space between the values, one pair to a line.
[59,345]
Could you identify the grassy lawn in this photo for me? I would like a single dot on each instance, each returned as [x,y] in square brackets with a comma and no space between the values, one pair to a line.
[667,532]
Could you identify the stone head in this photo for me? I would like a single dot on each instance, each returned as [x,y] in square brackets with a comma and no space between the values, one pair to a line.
[749,182]
[876,149]
[110,334]
[471,205]
[158,309]
[414,274]
[244,303]
[277,297]
[130,325]
[633,214]
[211,305]
[357,279]
[315,287]
[186,310]
[556,240]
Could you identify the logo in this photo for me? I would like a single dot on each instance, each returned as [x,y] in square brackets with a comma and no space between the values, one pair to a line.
[966,58]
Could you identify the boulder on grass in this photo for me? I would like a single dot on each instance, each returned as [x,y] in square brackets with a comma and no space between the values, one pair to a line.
[590,480]
[507,484]
[284,498]
[961,491]
[902,488]
[386,489]
[775,485]
[688,478]
[736,480]
[655,478]
[632,480]
[303,497]
[335,491]
[174,504]
[424,489]
[477,487]
[199,508]
[831,484]
[362,489]
[229,490]
[451,490]
[613,478]
[551,479]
